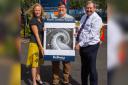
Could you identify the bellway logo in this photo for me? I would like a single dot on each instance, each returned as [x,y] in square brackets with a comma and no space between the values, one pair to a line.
[59,57]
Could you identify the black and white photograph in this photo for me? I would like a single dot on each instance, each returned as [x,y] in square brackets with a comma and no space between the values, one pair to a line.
[59,38]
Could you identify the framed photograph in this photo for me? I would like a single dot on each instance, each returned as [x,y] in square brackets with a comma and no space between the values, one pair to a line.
[59,40]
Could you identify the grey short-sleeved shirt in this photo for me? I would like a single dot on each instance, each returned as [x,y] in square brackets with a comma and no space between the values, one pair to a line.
[64,17]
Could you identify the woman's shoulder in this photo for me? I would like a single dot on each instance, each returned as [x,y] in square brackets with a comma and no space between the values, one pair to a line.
[33,21]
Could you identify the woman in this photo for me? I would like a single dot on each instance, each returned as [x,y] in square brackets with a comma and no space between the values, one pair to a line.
[35,51]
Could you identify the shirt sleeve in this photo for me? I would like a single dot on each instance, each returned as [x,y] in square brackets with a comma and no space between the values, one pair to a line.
[33,21]
[94,27]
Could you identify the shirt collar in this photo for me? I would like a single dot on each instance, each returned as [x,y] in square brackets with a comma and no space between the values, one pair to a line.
[91,14]
[62,16]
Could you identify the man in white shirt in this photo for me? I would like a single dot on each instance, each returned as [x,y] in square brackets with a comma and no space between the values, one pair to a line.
[88,39]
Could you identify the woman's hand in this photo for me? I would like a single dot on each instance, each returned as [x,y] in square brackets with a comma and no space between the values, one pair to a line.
[42,50]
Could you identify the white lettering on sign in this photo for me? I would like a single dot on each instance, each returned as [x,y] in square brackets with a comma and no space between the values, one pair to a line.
[59,57]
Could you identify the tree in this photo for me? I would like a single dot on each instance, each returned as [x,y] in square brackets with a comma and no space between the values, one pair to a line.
[102,4]
[26,4]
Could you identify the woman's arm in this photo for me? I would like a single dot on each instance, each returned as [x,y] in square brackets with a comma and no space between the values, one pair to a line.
[35,31]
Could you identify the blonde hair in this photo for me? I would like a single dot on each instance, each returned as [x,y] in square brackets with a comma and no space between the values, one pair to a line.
[90,2]
[42,10]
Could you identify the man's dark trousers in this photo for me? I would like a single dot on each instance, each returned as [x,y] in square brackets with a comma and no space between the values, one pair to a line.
[88,64]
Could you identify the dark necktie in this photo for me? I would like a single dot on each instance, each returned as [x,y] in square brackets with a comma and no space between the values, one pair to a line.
[81,28]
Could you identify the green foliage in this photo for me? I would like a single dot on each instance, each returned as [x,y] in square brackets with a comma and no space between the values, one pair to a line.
[26,4]
[27,31]
[76,4]
[102,4]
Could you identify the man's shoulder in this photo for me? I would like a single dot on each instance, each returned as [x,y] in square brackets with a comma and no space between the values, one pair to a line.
[53,16]
[66,16]
[33,21]
[96,16]
[84,16]
[69,16]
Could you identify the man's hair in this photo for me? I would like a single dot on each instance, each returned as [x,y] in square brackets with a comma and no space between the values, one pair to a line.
[61,3]
[90,2]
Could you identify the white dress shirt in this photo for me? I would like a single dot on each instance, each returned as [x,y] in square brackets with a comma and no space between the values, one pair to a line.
[90,34]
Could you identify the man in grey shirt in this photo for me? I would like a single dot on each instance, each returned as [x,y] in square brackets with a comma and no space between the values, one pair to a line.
[66,64]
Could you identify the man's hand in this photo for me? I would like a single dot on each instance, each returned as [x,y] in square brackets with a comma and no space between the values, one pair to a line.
[77,28]
[77,46]
[44,29]
[75,34]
